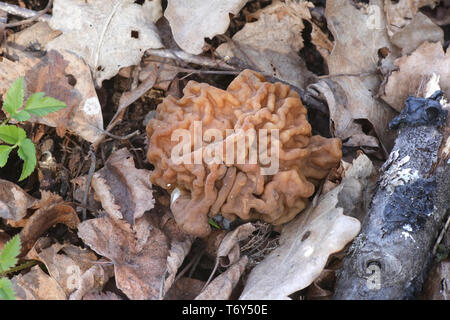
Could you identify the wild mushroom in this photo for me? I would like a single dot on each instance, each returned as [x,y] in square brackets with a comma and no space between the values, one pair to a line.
[256,158]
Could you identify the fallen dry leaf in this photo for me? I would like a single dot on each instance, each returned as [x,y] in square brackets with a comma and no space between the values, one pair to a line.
[351,86]
[124,191]
[271,44]
[140,253]
[35,36]
[37,285]
[414,70]
[108,37]
[65,77]
[4,238]
[222,286]
[409,38]
[229,247]
[14,201]
[184,18]
[307,242]
[402,12]
[185,289]
[101,296]
[52,210]
[73,268]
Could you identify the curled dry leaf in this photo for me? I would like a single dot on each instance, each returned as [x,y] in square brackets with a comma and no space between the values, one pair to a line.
[271,44]
[37,285]
[415,70]
[124,191]
[14,201]
[52,210]
[142,254]
[108,37]
[353,64]
[229,247]
[307,242]
[222,286]
[74,268]
[192,21]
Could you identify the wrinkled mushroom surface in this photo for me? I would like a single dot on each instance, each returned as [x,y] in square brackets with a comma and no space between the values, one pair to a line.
[230,187]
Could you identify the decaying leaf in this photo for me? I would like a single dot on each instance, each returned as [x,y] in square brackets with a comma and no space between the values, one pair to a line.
[63,76]
[352,84]
[14,201]
[140,253]
[108,36]
[271,44]
[229,247]
[37,285]
[437,286]
[4,238]
[52,210]
[34,37]
[307,242]
[102,296]
[185,17]
[73,268]
[401,13]
[222,286]
[185,289]
[415,70]
[124,191]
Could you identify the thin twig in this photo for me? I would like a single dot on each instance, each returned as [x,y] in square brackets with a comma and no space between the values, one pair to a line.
[441,235]
[32,18]
[23,12]
[88,181]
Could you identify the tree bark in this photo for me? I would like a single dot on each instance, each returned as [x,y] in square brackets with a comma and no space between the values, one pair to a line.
[390,257]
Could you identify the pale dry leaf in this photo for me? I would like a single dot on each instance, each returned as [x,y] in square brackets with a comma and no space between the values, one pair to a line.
[271,44]
[124,191]
[307,242]
[222,286]
[402,12]
[419,30]
[10,70]
[414,69]
[193,21]
[92,280]
[108,36]
[14,201]
[37,285]
[35,36]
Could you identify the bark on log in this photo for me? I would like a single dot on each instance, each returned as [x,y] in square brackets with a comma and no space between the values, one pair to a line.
[390,257]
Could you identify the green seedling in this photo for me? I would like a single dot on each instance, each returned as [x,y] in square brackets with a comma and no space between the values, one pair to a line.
[8,260]
[15,137]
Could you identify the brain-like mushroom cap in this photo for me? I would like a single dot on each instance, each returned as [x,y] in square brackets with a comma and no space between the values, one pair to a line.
[229,186]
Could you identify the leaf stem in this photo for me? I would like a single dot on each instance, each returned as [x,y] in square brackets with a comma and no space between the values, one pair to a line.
[25,265]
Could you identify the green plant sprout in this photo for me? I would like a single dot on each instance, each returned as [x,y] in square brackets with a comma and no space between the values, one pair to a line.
[8,260]
[38,105]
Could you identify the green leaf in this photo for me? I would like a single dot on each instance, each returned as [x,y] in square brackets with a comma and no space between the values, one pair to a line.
[27,152]
[12,134]
[14,97]
[8,256]
[213,223]
[4,154]
[6,289]
[39,105]
[22,115]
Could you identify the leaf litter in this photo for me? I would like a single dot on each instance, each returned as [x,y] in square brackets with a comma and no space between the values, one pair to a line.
[116,64]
